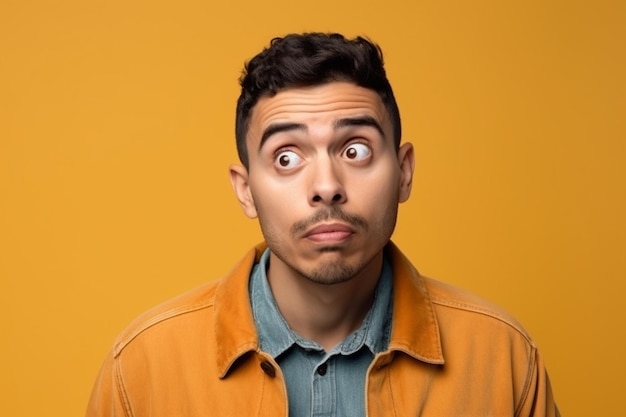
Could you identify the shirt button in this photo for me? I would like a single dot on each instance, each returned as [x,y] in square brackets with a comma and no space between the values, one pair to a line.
[321,370]
[268,368]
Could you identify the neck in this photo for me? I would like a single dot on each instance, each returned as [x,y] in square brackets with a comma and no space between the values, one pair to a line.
[324,313]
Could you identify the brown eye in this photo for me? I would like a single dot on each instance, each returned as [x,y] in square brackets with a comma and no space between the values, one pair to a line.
[287,160]
[283,160]
[357,152]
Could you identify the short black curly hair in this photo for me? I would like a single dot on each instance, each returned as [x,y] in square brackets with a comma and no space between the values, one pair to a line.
[309,59]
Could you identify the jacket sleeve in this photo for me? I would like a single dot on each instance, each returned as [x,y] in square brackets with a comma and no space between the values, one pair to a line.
[539,400]
[108,398]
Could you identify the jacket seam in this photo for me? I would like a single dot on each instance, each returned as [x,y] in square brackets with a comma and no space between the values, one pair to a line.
[393,401]
[486,312]
[531,359]
[122,389]
[154,320]
[532,367]
[263,382]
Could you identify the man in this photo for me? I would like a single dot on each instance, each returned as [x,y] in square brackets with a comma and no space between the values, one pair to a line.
[327,317]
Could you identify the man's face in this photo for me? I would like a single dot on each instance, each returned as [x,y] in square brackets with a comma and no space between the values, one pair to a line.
[324,179]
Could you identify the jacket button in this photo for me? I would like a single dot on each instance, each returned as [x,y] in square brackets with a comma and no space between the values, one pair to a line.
[268,368]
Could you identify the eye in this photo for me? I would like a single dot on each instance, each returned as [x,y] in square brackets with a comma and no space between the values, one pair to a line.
[287,160]
[357,151]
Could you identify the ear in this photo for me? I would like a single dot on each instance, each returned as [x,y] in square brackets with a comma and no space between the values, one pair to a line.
[239,181]
[406,159]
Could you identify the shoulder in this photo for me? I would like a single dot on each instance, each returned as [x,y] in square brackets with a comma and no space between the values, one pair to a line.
[189,313]
[188,305]
[455,310]
[464,307]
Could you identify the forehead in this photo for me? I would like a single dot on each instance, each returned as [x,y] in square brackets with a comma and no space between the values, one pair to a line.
[321,104]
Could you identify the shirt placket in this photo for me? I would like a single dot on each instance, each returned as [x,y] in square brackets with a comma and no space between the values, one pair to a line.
[324,389]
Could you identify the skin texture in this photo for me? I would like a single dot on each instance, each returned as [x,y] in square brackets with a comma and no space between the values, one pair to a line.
[325,181]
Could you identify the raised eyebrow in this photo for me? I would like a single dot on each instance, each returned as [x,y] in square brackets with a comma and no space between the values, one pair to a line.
[279,127]
[359,121]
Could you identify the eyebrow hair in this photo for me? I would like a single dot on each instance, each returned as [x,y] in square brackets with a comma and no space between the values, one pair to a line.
[280,127]
[338,124]
[359,121]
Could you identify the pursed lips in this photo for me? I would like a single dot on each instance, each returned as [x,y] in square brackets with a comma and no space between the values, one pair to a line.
[329,232]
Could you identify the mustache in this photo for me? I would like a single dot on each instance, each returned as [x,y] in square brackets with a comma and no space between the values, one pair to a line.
[333,213]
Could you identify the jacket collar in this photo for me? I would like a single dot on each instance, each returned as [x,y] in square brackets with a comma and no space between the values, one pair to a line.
[414,330]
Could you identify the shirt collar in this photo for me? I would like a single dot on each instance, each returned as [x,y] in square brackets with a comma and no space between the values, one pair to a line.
[415,330]
[275,335]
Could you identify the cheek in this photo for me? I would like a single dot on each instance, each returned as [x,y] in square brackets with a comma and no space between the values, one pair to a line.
[376,189]
[275,204]
[272,190]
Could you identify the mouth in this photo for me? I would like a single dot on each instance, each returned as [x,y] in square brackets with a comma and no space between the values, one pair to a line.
[329,233]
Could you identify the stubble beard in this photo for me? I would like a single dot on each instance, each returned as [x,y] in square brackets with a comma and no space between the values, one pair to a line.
[330,272]
[338,270]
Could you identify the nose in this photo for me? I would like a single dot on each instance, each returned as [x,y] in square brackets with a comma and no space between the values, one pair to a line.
[327,187]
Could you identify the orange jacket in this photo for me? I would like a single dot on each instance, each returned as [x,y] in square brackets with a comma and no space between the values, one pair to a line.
[450,354]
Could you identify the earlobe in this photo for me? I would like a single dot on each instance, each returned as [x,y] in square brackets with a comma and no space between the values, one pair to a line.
[239,180]
[406,158]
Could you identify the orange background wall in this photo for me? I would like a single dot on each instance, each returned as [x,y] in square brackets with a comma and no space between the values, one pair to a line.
[116,131]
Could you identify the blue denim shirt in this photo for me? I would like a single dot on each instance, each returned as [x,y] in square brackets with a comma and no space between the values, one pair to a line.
[321,383]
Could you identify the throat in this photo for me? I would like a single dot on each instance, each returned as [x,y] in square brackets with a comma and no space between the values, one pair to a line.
[322,311]
[326,314]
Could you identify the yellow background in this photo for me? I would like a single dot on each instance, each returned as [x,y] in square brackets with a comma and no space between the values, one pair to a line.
[116,131]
